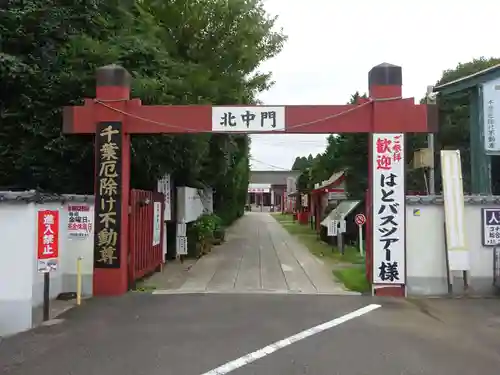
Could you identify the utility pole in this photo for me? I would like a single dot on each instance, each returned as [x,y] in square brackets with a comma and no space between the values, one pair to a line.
[432,171]
[431,99]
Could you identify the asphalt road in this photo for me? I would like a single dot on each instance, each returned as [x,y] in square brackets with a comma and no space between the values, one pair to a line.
[144,334]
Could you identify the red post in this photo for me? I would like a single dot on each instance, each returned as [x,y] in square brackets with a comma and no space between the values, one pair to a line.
[385,81]
[110,267]
[368,236]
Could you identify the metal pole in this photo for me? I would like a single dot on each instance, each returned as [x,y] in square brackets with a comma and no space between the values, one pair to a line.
[432,184]
[46,296]
[431,99]
[360,236]
[340,242]
[79,281]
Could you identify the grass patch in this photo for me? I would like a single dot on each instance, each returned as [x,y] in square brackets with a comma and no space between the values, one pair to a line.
[354,278]
[143,286]
[310,239]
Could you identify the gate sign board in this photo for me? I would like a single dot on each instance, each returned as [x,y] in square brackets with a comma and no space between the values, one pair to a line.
[388,184]
[108,200]
[491,226]
[491,118]
[48,240]
[246,119]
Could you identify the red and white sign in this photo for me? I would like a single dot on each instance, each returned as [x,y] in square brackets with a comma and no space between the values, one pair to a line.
[79,221]
[48,240]
[360,219]
[388,183]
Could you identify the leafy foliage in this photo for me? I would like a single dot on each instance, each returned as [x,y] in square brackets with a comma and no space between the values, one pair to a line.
[178,52]
[205,232]
[301,163]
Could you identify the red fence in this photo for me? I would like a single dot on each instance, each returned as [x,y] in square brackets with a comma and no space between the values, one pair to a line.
[144,256]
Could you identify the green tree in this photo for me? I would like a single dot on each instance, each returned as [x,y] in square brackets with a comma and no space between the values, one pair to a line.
[179,52]
[301,163]
[347,152]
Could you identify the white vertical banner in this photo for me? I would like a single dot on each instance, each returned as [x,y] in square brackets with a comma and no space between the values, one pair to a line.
[157,223]
[388,184]
[164,187]
[491,116]
[454,211]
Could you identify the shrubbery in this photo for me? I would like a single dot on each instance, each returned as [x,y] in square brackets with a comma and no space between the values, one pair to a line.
[204,233]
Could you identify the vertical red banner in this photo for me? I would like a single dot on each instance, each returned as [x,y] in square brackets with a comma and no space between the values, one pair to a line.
[48,240]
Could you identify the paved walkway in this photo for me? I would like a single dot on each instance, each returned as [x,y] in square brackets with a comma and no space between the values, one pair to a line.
[259,256]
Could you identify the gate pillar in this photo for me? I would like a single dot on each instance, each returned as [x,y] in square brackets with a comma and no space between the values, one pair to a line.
[385,83]
[112,182]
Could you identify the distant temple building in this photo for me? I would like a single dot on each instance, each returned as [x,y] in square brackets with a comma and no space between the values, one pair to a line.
[271,188]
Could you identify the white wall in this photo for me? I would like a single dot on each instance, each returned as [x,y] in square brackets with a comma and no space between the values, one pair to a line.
[425,249]
[21,286]
[16,270]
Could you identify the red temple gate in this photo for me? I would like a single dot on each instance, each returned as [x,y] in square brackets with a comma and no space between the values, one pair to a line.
[113,117]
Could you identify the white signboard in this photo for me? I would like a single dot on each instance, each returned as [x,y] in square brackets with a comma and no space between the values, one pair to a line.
[332,228]
[80,220]
[157,223]
[181,245]
[164,187]
[388,182]
[491,116]
[342,226]
[491,226]
[248,119]
[258,190]
[181,229]
[189,204]
[305,199]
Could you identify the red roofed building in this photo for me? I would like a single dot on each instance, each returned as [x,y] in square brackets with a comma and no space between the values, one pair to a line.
[328,192]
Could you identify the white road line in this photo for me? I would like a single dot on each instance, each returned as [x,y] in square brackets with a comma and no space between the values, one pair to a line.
[251,357]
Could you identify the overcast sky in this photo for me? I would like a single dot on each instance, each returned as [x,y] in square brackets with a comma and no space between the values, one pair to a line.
[332,44]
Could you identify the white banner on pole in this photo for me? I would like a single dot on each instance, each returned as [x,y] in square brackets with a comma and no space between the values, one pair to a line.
[388,184]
